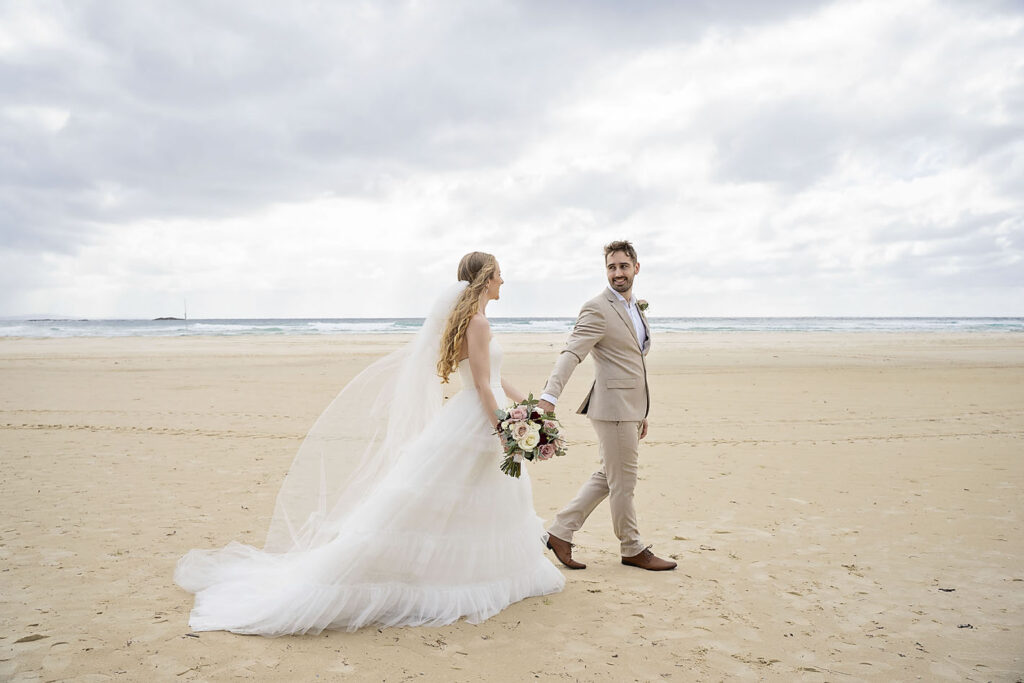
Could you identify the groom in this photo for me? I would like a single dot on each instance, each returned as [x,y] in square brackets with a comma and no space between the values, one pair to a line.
[612,326]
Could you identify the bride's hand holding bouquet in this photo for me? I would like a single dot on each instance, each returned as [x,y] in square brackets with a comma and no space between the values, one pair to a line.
[527,433]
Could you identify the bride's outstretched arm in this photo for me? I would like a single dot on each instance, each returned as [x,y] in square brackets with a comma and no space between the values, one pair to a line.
[512,392]
[478,339]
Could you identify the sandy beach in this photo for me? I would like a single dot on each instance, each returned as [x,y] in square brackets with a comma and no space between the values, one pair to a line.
[842,507]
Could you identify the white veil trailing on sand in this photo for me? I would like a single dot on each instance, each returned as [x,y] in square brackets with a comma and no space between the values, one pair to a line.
[359,437]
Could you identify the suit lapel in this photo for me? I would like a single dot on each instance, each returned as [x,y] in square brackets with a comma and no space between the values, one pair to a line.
[647,331]
[621,310]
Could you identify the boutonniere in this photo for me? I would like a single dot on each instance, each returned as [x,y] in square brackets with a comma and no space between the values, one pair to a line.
[642,305]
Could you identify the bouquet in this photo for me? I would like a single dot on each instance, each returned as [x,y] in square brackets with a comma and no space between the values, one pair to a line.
[528,434]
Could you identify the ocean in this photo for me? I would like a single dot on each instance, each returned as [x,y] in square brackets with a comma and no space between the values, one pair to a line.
[330,326]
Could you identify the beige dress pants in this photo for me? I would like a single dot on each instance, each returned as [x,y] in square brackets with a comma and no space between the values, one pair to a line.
[619,443]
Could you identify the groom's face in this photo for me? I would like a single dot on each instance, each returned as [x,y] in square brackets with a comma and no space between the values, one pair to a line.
[621,270]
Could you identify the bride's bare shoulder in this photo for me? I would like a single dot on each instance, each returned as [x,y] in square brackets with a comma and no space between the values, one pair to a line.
[479,323]
[478,333]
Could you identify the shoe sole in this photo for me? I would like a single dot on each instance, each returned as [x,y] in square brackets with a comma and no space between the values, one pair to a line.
[650,569]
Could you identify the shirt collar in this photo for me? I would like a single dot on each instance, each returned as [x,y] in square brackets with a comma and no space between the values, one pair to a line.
[631,302]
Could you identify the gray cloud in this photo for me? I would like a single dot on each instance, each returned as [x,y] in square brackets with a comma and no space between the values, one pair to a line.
[207,111]
[793,143]
[200,109]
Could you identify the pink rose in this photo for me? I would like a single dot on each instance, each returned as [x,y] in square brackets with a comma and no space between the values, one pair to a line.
[519,413]
[550,425]
[519,430]
[547,451]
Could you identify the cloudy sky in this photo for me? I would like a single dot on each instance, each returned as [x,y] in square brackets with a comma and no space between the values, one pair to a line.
[270,159]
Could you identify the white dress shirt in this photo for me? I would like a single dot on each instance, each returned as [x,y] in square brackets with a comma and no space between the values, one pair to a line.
[638,325]
[634,315]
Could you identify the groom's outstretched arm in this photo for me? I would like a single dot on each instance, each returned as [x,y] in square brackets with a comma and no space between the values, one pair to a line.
[589,330]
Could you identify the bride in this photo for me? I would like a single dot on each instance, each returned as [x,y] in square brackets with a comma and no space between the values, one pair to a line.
[394,512]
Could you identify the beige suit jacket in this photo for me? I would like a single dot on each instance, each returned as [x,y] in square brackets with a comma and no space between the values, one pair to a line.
[620,390]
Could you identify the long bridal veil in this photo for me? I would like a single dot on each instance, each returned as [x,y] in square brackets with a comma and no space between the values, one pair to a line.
[394,512]
[359,437]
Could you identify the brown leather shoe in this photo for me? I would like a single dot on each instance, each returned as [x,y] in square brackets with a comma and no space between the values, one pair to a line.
[649,561]
[563,551]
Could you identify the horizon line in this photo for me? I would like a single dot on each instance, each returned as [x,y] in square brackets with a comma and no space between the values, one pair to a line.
[18,318]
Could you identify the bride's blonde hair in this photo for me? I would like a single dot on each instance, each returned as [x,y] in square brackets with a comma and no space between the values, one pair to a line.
[476,268]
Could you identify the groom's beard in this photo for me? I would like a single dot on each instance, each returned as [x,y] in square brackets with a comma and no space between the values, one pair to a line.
[624,286]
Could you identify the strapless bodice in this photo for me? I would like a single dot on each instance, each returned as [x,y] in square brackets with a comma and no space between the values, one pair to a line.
[466,375]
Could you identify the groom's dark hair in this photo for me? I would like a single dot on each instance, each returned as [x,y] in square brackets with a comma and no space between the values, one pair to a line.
[620,245]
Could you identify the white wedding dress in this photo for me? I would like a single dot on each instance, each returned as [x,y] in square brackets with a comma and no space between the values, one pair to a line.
[442,535]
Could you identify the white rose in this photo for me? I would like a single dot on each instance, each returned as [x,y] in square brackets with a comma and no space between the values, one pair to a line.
[534,427]
[530,441]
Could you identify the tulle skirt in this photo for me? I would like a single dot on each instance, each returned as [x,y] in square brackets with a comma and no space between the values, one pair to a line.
[444,535]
